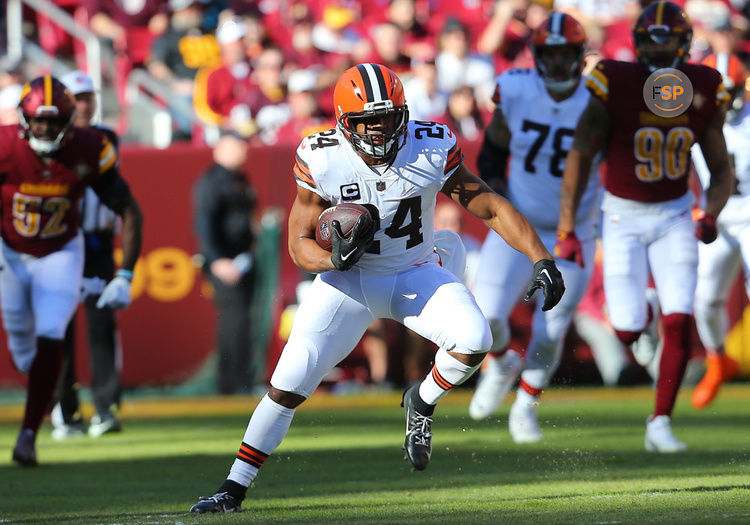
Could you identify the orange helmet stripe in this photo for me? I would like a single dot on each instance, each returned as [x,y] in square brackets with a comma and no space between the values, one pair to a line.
[47,90]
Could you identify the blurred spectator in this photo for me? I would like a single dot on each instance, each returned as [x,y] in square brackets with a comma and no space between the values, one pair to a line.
[11,72]
[10,96]
[221,93]
[267,102]
[418,42]
[98,223]
[132,27]
[425,101]
[463,115]
[177,55]
[507,32]
[457,66]
[306,116]
[223,205]
[387,41]
[473,14]
[337,33]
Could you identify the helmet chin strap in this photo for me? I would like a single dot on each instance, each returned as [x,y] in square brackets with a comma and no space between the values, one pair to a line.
[45,147]
[560,86]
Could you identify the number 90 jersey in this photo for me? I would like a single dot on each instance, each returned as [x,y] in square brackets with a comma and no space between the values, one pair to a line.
[649,155]
[401,197]
[541,135]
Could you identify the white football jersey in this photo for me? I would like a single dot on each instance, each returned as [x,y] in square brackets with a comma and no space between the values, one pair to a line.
[737,135]
[403,193]
[541,136]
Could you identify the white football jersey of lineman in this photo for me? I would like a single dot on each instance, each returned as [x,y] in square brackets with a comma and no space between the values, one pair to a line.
[403,193]
[737,135]
[541,136]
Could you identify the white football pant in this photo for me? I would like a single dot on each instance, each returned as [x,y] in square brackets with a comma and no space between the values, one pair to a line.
[718,264]
[504,275]
[39,296]
[339,307]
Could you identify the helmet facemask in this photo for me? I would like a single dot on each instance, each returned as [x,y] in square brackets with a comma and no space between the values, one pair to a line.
[384,129]
[559,65]
[45,141]
[659,47]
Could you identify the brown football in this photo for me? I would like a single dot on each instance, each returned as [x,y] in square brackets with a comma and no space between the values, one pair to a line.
[347,215]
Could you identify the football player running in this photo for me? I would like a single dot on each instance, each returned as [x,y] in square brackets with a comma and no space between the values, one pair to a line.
[537,110]
[45,167]
[647,222]
[719,261]
[377,157]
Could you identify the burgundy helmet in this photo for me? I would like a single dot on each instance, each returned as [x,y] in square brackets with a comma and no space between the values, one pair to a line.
[46,98]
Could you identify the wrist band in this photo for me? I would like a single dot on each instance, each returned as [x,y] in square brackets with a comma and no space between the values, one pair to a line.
[127,274]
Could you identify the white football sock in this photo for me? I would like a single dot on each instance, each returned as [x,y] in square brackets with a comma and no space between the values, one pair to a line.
[265,431]
[447,373]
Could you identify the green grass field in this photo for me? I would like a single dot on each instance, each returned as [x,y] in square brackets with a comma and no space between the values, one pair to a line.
[342,463]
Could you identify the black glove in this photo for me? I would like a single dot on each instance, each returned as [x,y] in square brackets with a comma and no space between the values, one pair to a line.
[345,252]
[548,278]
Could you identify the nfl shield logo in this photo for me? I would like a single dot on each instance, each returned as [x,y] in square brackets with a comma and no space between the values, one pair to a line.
[380,185]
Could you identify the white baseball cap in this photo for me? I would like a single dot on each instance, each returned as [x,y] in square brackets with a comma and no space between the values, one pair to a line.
[302,80]
[231,30]
[10,96]
[78,82]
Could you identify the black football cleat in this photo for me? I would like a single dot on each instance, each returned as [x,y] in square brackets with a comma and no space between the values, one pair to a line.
[418,442]
[219,502]
[24,453]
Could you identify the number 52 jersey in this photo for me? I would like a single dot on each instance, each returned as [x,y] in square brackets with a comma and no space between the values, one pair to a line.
[401,196]
[40,201]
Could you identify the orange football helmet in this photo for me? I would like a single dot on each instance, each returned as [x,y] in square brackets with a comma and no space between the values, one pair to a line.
[735,75]
[559,31]
[371,96]
[46,98]
[662,36]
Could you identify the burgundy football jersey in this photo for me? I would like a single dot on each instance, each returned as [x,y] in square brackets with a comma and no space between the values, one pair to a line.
[40,201]
[648,156]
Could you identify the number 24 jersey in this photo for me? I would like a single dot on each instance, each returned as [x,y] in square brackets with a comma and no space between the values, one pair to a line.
[401,196]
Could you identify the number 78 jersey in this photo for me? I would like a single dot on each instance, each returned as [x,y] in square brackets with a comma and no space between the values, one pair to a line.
[401,197]
[541,135]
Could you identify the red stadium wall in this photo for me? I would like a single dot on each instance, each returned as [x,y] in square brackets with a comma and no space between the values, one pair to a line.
[168,331]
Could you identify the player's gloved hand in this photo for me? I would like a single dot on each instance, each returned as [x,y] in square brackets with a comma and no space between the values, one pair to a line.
[548,278]
[91,286]
[568,247]
[705,227]
[345,252]
[116,294]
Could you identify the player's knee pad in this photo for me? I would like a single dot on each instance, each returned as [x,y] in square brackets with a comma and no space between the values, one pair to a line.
[300,368]
[708,309]
[476,339]
[500,329]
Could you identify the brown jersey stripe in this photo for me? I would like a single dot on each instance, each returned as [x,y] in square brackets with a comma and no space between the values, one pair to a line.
[440,380]
[302,163]
[454,162]
[302,176]
[496,98]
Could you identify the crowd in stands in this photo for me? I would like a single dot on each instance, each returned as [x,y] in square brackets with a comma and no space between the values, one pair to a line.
[265,69]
